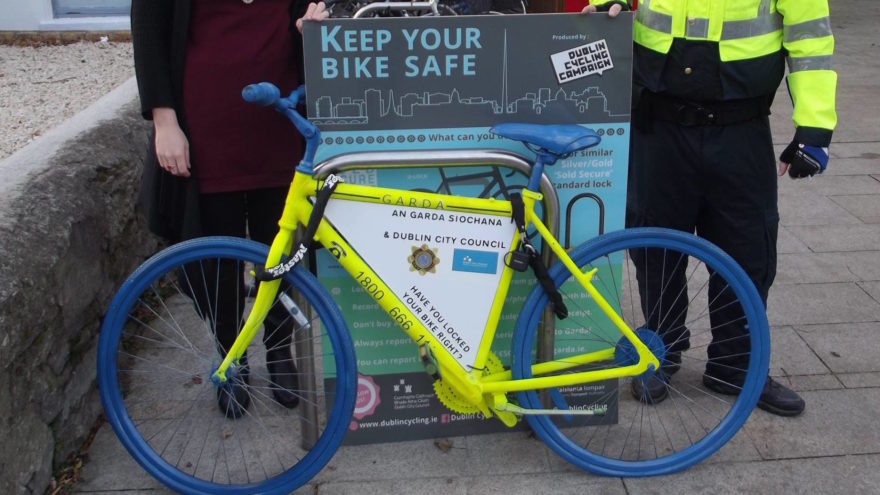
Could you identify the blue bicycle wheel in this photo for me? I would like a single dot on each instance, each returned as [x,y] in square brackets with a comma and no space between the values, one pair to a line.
[159,346]
[698,312]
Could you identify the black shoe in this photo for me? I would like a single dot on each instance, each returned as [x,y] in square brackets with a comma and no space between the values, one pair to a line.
[233,397]
[283,376]
[671,363]
[776,398]
[651,390]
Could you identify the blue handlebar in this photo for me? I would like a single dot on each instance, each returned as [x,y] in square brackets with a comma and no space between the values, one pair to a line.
[263,94]
[267,94]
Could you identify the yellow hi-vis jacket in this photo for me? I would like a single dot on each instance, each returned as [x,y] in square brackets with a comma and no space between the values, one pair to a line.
[752,36]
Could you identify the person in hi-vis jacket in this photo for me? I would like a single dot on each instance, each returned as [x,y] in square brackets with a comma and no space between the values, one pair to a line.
[702,159]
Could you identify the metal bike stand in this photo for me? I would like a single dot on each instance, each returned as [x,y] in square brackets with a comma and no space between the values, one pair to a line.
[397,7]
[423,159]
[305,358]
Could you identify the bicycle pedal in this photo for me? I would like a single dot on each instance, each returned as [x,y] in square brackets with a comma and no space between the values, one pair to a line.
[429,362]
[502,409]
[508,418]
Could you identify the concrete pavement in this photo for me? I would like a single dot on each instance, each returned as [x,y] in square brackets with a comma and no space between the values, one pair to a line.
[824,312]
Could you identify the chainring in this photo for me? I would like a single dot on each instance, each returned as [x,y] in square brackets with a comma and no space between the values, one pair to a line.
[453,401]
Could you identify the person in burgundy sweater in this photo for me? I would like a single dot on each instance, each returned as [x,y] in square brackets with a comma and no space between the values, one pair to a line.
[217,165]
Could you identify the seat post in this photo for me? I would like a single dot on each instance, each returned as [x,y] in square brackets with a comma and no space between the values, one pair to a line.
[542,158]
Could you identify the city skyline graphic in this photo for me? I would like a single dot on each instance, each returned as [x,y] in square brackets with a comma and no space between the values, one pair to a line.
[395,109]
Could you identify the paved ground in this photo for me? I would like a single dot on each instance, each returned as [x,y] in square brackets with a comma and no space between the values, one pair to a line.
[824,313]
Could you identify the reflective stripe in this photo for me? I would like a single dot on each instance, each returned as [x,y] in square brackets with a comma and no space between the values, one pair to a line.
[817,28]
[697,28]
[796,64]
[652,19]
[764,9]
[734,30]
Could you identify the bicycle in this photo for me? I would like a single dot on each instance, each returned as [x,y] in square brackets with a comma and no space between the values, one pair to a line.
[159,368]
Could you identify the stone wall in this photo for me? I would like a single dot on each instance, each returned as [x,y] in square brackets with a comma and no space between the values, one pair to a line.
[69,234]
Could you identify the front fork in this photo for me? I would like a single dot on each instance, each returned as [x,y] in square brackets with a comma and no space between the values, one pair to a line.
[266,293]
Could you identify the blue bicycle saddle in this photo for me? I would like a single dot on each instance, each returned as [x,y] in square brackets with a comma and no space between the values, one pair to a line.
[559,139]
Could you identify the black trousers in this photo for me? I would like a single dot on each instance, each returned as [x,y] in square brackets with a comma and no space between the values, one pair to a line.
[220,296]
[718,181]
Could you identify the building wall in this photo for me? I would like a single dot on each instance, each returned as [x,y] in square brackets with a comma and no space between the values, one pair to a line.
[38,15]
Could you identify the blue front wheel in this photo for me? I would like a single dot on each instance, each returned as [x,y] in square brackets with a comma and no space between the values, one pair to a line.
[161,341]
[699,313]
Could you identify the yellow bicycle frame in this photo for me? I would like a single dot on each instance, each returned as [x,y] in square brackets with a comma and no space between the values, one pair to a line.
[471,384]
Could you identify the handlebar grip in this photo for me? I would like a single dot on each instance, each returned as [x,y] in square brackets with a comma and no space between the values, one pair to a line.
[264,94]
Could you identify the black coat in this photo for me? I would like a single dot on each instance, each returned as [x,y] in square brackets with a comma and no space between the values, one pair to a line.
[159,30]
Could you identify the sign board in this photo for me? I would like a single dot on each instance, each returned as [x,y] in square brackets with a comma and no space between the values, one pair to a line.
[433,83]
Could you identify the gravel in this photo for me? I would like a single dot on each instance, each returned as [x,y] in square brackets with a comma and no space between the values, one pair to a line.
[41,86]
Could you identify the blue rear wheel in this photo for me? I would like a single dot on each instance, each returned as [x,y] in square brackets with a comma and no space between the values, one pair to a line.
[681,293]
[157,351]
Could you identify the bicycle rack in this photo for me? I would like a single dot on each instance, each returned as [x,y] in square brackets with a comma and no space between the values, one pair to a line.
[397,7]
[423,159]
[599,203]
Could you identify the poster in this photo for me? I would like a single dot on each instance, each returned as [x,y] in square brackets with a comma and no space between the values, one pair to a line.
[441,83]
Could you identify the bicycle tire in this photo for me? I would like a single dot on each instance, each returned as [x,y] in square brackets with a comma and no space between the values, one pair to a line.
[156,354]
[639,420]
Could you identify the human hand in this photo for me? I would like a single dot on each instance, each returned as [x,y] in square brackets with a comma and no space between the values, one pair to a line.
[314,12]
[172,147]
[801,160]
[612,11]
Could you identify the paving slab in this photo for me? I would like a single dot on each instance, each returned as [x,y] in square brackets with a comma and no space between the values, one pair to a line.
[844,474]
[804,383]
[859,380]
[835,422]
[844,348]
[788,243]
[806,208]
[790,354]
[868,149]
[415,486]
[395,461]
[110,468]
[812,268]
[872,288]
[576,483]
[820,303]
[826,238]
[831,185]
[852,166]
[816,268]
[865,264]
[865,207]
[157,491]
[506,453]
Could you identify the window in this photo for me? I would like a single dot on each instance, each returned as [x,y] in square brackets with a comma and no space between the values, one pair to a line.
[90,8]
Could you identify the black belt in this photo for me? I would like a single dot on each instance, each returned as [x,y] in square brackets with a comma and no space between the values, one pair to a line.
[692,113]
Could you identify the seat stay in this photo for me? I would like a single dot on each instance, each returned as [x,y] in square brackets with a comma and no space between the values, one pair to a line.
[558,140]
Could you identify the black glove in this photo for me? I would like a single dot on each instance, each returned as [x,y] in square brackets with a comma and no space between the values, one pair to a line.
[804,160]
